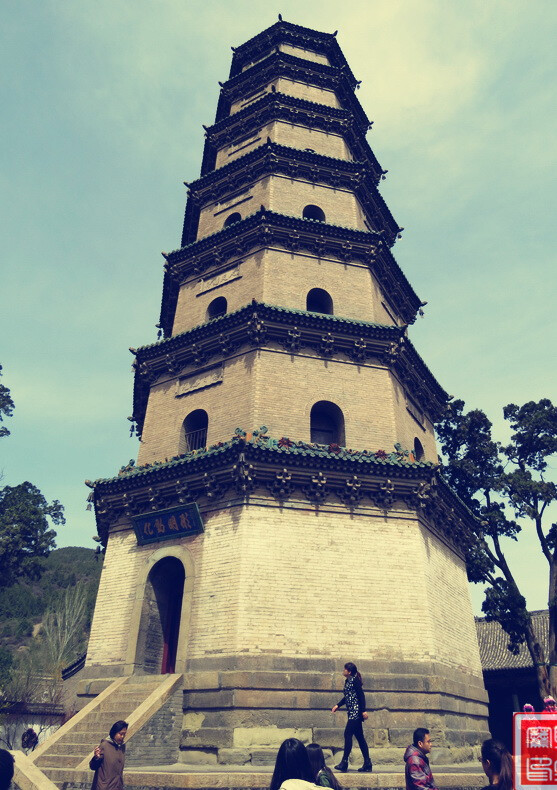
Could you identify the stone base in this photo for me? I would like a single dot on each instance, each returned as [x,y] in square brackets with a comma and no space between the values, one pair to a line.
[238,710]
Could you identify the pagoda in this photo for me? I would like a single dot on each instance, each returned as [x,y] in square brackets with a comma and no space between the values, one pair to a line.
[286,512]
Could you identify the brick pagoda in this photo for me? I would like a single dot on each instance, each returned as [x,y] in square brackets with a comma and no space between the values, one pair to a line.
[286,513]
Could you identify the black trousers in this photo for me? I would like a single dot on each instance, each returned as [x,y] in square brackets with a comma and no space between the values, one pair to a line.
[354,729]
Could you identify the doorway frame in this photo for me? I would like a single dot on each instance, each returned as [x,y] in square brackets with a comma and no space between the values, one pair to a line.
[181,553]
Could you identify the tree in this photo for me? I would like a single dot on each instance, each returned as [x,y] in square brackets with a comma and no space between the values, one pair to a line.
[495,480]
[6,406]
[63,626]
[25,533]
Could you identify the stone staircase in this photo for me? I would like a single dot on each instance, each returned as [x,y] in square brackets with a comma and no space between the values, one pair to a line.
[135,699]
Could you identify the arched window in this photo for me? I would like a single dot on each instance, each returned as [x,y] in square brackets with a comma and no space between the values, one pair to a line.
[319,301]
[313,212]
[217,308]
[326,423]
[232,218]
[195,431]
[418,450]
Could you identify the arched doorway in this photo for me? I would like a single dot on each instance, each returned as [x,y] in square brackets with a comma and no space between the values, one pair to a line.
[160,617]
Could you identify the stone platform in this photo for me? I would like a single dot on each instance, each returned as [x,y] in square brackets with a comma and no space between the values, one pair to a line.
[177,776]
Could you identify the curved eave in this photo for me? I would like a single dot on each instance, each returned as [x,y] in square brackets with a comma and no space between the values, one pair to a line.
[344,461]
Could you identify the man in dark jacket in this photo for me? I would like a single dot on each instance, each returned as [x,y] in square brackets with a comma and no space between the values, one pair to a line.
[417,771]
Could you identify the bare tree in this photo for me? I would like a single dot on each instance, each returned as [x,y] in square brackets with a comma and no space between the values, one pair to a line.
[62,627]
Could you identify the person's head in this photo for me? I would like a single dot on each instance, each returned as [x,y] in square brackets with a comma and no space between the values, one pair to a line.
[292,763]
[118,731]
[528,708]
[549,703]
[422,739]
[316,757]
[317,762]
[351,670]
[6,769]
[497,764]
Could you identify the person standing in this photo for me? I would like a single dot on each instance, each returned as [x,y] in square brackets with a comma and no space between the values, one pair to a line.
[355,702]
[108,759]
[417,771]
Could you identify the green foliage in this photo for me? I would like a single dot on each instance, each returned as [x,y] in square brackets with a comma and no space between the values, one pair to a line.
[494,481]
[504,604]
[6,406]
[28,600]
[25,533]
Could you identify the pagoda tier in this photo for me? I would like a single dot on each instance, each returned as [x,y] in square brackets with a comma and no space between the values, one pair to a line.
[260,326]
[271,159]
[323,47]
[284,73]
[275,111]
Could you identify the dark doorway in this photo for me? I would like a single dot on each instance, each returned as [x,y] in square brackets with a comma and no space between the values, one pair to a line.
[160,618]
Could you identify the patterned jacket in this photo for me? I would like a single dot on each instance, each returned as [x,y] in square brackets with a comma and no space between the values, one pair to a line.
[417,771]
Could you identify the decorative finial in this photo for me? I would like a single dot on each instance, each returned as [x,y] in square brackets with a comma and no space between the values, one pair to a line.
[280,17]
[335,33]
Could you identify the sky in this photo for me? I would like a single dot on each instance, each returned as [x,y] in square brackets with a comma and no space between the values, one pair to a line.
[103,106]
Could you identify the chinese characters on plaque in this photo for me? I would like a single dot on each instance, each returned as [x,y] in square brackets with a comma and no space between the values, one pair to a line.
[177,522]
[535,750]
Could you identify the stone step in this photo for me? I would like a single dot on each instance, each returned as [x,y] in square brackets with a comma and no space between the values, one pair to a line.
[59,760]
[84,736]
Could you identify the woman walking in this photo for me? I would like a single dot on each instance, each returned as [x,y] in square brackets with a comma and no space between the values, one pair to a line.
[108,759]
[355,702]
[323,776]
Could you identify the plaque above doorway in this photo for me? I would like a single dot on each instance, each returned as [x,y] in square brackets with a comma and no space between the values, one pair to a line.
[176,522]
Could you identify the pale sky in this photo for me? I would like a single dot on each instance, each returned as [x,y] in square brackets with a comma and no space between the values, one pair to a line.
[103,105]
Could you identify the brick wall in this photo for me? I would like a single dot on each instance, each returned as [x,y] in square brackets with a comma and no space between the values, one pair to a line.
[324,143]
[278,389]
[306,54]
[286,196]
[300,90]
[295,582]
[283,278]
[158,742]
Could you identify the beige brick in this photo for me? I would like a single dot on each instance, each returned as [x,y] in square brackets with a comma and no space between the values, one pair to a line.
[289,134]
[300,90]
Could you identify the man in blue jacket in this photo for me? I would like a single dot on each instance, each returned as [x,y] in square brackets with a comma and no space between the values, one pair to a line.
[417,771]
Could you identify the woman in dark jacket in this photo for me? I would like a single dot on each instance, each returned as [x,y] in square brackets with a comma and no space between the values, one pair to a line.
[355,702]
[108,759]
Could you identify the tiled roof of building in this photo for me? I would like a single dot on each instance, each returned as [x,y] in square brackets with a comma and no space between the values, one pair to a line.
[493,643]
